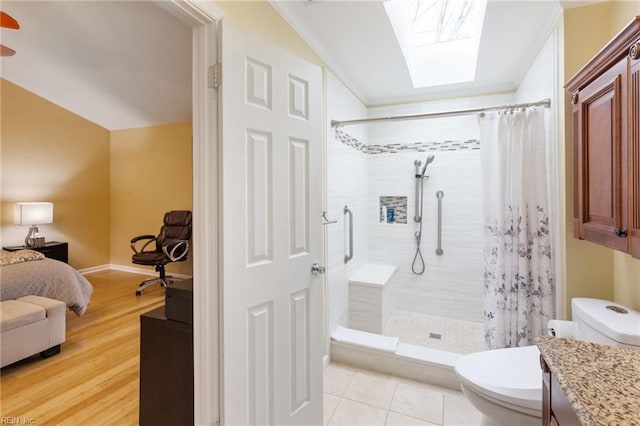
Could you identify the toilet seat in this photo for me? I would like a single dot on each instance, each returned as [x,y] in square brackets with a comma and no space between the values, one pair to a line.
[510,377]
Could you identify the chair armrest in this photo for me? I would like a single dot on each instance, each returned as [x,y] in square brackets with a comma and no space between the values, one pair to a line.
[134,240]
[176,249]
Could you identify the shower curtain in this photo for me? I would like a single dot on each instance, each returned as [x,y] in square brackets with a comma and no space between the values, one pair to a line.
[519,295]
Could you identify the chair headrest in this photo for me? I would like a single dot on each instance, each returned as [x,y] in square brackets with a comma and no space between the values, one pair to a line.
[177,218]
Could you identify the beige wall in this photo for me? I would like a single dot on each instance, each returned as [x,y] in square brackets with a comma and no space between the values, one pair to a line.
[591,270]
[151,173]
[262,19]
[51,154]
[107,187]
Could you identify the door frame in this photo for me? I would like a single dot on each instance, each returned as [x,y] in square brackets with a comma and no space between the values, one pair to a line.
[203,16]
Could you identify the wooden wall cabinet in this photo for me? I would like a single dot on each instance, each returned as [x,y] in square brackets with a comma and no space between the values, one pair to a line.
[605,98]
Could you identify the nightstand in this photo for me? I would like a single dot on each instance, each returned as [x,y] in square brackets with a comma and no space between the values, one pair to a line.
[53,250]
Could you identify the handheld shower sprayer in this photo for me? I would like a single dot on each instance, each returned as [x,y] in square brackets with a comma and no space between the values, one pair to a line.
[426,163]
[417,266]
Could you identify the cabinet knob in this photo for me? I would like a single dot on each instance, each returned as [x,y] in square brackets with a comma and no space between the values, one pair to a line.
[634,51]
[574,98]
[620,232]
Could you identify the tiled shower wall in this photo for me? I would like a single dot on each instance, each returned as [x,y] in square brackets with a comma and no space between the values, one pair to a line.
[346,185]
[367,162]
[451,285]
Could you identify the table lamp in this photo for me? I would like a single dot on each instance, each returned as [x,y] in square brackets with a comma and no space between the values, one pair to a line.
[33,214]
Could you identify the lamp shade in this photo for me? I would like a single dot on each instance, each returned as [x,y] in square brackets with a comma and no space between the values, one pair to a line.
[33,213]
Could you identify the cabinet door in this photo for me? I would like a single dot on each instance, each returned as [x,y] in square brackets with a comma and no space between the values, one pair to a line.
[602,161]
[634,151]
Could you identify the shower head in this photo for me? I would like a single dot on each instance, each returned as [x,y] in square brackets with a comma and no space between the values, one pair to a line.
[426,163]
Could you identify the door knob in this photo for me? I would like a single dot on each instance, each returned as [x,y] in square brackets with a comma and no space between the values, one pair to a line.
[317,269]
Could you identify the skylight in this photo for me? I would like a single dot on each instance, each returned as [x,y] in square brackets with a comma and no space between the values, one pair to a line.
[439,38]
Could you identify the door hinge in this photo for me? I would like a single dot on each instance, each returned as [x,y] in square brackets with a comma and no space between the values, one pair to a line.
[214,76]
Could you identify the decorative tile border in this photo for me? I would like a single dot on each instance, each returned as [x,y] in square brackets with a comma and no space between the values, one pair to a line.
[424,147]
[350,141]
[393,148]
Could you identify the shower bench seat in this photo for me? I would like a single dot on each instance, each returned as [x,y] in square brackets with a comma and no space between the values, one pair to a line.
[370,297]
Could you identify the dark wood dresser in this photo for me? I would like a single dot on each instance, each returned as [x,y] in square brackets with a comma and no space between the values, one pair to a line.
[166,370]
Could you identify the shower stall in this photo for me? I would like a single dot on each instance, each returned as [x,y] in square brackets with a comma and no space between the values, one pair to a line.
[393,177]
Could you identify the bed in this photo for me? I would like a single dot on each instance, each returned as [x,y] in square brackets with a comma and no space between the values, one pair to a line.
[27,272]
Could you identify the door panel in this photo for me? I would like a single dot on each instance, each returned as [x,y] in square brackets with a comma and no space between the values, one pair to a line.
[601,158]
[271,204]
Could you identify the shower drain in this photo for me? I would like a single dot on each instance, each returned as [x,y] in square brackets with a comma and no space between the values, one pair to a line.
[435,336]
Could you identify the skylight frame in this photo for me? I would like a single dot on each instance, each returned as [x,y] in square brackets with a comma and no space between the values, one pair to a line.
[438,56]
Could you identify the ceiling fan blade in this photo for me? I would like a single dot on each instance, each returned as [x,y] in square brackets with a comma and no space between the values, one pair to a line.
[7,21]
[6,51]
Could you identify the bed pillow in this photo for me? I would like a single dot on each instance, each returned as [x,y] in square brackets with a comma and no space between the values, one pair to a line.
[11,257]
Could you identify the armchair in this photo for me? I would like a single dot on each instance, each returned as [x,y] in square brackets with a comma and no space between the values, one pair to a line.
[170,245]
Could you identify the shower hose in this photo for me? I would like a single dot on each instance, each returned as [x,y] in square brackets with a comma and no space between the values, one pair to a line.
[418,256]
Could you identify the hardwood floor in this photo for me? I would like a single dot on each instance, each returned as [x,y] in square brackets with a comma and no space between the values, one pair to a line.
[95,378]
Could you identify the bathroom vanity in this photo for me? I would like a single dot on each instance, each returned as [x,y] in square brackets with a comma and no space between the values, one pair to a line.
[589,384]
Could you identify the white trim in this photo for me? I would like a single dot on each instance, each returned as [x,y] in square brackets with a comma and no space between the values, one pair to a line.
[202,15]
[132,269]
[194,13]
[92,269]
[205,231]
[326,345]
[326,360]
[126,268]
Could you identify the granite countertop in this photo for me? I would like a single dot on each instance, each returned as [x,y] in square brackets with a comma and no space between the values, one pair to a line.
[601,382]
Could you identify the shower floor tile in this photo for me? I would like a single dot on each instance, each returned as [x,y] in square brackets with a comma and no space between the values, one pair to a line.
[434,332]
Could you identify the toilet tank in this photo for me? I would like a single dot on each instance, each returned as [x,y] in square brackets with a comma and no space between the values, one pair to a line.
[605,322]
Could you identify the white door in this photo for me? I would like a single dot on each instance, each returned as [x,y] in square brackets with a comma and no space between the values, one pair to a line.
[271,233]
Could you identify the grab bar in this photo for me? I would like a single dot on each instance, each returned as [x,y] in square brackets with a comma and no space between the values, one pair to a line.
[439,195]
[348,257]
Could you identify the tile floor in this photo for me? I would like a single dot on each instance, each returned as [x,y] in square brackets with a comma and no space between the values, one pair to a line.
[457,336]
[354,396]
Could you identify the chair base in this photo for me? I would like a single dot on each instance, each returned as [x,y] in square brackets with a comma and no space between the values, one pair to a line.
[163,281]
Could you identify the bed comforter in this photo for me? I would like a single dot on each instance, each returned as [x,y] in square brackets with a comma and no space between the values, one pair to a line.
[46,278]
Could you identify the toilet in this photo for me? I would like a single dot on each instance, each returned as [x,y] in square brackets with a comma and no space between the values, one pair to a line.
[505,385]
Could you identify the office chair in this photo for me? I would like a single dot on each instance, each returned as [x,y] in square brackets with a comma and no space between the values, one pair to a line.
[171,245]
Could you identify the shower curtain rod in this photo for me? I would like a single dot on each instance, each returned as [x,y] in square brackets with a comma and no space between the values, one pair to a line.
[334,123]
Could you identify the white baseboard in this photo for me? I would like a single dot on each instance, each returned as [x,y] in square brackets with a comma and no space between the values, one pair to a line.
[326,360]
[127,268]
[92,269]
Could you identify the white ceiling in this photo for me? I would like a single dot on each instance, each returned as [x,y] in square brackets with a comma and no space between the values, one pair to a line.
[120,64]
[357,41]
